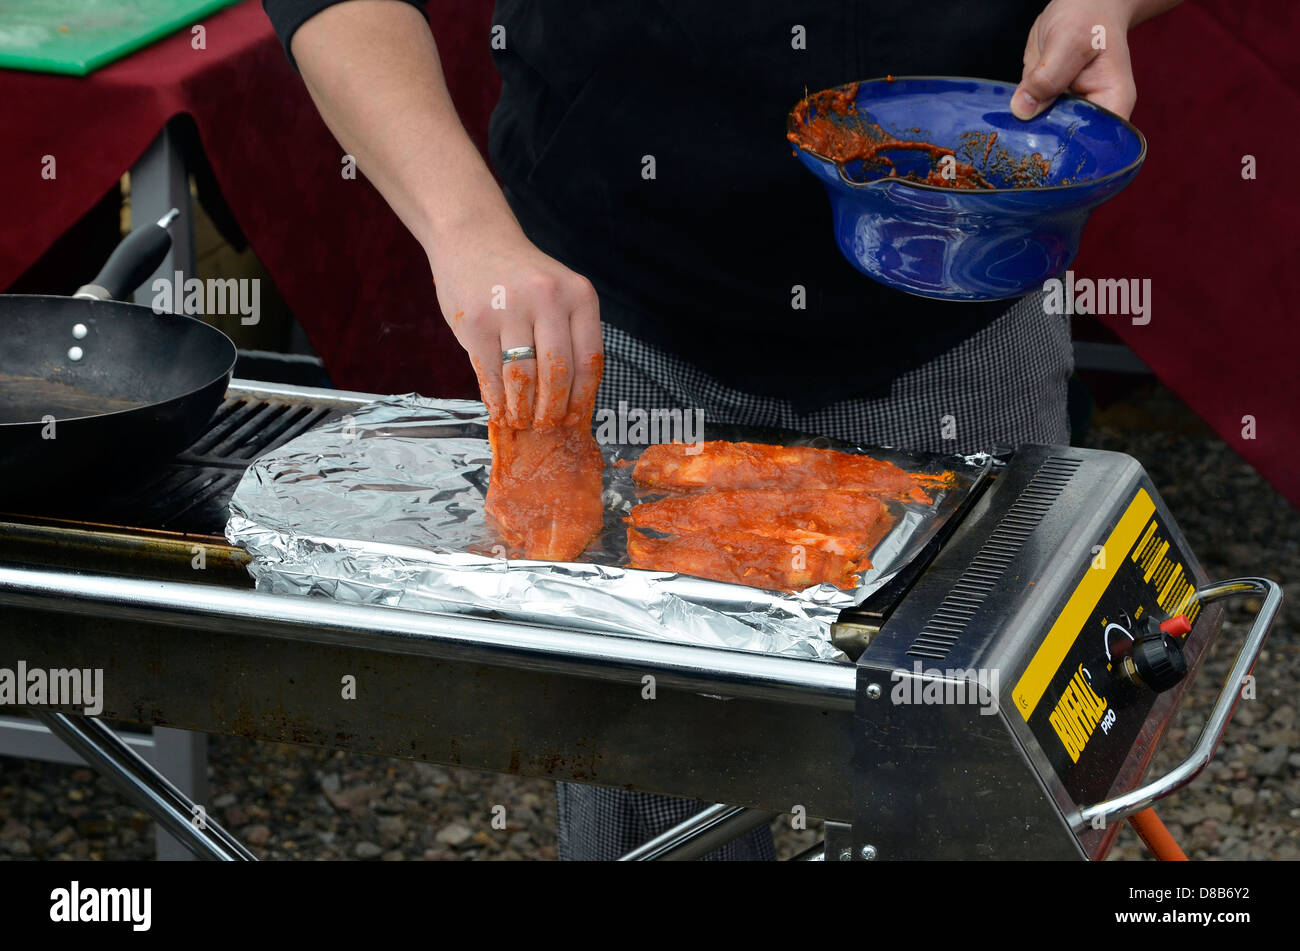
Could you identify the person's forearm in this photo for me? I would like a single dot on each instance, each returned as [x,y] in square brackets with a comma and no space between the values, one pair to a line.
[373,70]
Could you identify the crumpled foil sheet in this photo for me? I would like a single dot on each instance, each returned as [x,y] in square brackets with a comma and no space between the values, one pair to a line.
[386,506]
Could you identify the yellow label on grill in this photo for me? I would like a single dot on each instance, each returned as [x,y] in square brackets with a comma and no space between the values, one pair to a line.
[1050,654]
[1077,714]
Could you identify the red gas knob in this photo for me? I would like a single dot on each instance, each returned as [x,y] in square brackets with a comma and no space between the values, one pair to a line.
[1177,626]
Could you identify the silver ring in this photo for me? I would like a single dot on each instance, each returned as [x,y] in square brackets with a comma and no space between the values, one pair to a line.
[518,353]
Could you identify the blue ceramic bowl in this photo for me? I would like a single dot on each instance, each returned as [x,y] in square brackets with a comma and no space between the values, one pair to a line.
[1000,240]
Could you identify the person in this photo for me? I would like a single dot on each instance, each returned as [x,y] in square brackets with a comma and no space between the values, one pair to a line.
[649,210]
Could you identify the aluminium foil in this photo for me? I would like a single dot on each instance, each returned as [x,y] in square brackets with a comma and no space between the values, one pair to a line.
[386,506]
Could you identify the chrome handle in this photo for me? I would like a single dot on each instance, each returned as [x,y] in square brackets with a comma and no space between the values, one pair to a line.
[1121,807]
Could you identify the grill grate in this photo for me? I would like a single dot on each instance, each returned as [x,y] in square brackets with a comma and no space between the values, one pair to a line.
[191,494]
[982,576]
[244,428]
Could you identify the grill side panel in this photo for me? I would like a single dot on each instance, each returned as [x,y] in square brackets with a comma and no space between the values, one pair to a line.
[986,570]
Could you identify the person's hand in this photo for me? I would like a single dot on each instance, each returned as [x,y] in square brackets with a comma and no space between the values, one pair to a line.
[498,291]
[1078,46]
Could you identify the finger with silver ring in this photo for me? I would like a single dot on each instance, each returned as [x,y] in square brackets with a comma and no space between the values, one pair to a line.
[519,376]
[518,353]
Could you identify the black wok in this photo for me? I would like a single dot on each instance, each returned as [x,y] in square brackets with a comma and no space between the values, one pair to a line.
[96,391]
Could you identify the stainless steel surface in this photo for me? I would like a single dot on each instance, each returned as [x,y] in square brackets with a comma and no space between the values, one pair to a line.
[504,714]
[1121,807]
[145,786]
[985,604]
[941,781]
[445,637]
[975,607]
[313,394]
[700,834]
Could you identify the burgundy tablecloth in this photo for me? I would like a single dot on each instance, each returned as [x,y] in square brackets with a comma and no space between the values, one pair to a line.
[1217,80]
[356,280]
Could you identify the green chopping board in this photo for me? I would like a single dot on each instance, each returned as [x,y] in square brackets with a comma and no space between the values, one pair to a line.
[79,36]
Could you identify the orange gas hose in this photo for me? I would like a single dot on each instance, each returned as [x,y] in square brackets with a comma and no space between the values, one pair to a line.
[1156,837]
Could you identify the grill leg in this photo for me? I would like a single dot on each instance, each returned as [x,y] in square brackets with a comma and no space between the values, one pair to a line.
[700,834]
[182,757]
[145,786]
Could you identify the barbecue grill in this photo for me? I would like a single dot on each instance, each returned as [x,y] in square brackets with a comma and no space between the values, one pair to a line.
[1006,695]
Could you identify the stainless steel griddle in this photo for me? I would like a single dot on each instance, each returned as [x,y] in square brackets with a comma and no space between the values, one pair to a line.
[1006,695]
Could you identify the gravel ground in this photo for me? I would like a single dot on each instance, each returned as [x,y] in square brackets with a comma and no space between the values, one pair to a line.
[296,802]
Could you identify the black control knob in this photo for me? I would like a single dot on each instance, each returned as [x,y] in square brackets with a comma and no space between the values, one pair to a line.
[1156,661]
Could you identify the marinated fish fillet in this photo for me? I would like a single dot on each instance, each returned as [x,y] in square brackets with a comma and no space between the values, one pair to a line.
[544,490]
[744,558]
[846,523]
[747,465]
[545,486]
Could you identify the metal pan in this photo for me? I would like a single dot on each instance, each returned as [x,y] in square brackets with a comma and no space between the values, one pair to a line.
[96,391]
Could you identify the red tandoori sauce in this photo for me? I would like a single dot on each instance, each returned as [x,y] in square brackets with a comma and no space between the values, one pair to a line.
[828,124]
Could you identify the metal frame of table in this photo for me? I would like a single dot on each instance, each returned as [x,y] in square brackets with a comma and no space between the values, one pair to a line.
[160,181]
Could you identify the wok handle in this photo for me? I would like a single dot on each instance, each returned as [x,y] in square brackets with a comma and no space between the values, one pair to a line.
[133,260]
[1121,807]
